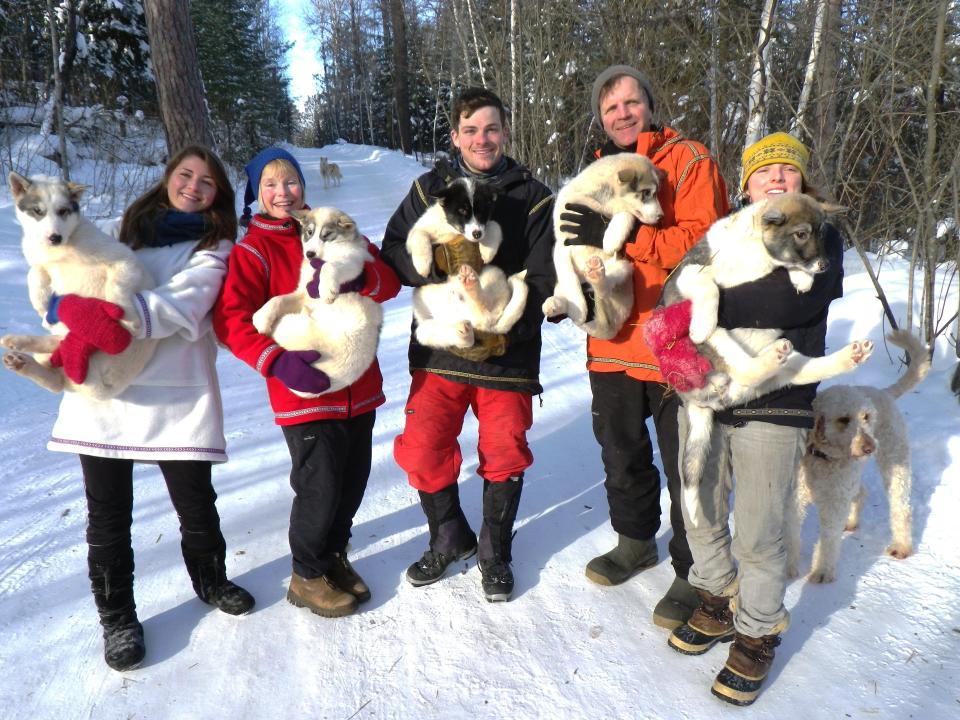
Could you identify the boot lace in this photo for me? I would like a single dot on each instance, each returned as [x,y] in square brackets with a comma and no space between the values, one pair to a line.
[761,654]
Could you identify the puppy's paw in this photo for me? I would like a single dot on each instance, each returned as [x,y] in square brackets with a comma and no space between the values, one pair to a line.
[10,342]
[468,277]
[329,289]
[422,262]
[819,576]
[792,570]
[554,305]
[263,320]
[859,351]
[594,271]
[782,349]
[463,335]
[15,361]
[851,526]
[899,551]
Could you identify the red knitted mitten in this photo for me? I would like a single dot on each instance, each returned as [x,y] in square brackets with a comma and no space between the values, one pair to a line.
[95,321]
[73,355]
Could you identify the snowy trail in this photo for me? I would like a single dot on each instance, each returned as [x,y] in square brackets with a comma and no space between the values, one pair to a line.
[881,642]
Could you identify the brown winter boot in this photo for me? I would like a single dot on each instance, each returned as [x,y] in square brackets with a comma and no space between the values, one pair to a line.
[346,578]
[321,596]
[711,622]
[748,664]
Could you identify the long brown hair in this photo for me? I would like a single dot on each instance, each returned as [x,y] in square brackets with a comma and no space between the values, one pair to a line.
[138,222]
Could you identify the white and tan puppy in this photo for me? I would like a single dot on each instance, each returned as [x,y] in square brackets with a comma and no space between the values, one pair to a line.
[343,327]
[784,231]
[852,424]
[464,208]
[68,254]
[448,313]
[622,187]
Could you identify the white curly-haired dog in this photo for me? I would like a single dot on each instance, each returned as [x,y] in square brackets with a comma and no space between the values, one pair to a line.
[852,423]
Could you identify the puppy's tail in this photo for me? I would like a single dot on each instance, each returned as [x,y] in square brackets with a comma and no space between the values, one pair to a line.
[919,363]
[696,449]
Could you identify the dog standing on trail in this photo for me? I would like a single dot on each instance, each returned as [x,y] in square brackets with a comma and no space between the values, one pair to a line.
[330,173]
[851,424]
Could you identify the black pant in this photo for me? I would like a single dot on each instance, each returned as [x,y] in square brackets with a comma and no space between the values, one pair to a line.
[621,406]
[331,466]
[108,483]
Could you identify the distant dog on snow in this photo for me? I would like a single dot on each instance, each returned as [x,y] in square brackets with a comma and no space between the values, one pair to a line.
[785,231]
[343,328]
[69,255]
[622,187]
[448,313]
[330,173]
[464,208]
[852,423]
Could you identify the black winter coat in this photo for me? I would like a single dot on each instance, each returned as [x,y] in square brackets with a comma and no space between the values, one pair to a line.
[524,210]
[773,302]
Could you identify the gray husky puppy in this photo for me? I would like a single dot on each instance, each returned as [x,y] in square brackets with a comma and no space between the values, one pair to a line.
[68,254]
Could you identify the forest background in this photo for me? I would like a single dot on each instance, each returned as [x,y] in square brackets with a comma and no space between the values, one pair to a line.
[871,86]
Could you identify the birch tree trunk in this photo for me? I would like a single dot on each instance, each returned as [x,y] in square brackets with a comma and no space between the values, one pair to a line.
[57,106]
[401,74]
[173,49]
[514,71]
[759,77]
[476,45]
[799,127]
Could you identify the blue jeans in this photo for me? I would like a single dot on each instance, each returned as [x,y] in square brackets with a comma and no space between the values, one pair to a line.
[763,458]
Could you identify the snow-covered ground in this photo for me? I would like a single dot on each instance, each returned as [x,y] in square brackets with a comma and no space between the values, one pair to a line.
[881,642]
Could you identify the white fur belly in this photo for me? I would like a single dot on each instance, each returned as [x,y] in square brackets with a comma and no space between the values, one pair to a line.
[344,332]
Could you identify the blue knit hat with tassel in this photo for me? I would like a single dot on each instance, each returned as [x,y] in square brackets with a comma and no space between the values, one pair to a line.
[254,170]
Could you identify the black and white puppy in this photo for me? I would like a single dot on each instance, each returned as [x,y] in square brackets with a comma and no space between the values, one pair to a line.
[462,208]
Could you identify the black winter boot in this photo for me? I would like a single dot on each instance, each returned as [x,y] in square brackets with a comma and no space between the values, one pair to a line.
[451,538]
[501,501]
[112,586]
[209,576]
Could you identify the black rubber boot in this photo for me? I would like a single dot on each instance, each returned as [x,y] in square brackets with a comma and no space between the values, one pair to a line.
[112,586]
[451,538]
[501,500]
[209,577]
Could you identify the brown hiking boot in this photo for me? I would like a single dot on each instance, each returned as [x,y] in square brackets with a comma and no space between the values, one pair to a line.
[346,578]
[321,596]
[629,557]
[711,622]
[749,662]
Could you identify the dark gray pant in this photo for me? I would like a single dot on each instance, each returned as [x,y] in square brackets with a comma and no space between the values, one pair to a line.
[331,466]
[621,406]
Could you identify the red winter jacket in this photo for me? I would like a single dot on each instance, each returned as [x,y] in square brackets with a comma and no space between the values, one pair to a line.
[266,263]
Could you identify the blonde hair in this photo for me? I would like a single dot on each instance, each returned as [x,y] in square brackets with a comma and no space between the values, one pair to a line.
[279,168]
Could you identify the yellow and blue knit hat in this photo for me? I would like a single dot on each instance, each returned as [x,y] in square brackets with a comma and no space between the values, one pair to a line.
[776,147]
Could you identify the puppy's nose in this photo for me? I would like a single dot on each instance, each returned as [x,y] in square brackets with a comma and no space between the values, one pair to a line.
[310,254]
[56,239]
[477,234]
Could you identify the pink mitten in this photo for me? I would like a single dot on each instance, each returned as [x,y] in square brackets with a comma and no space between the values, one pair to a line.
[73,355]
[667,334]
[95,321]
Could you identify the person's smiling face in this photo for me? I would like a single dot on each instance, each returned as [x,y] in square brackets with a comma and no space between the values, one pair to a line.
[280,193]
[191,187]
[625,112]
[774,179]
[480,139]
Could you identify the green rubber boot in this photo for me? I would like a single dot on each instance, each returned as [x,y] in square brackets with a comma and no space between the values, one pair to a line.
[620,564]
[676,607]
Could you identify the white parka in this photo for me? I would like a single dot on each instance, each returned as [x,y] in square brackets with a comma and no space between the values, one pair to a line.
[173,409]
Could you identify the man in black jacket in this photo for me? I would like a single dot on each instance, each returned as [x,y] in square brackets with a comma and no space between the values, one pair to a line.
[496,378]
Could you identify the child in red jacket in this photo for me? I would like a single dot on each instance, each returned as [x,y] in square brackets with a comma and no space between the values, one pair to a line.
[330,437]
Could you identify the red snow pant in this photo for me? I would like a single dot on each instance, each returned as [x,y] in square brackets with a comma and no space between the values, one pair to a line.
[428,449]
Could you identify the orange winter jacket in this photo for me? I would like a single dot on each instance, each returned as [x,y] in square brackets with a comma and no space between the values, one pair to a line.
[693,195]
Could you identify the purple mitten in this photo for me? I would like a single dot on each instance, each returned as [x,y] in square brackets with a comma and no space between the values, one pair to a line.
[355,285]
[293,368]
[313,287]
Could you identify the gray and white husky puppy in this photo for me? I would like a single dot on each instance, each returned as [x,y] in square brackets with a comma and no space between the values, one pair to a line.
[462,208]
[343,327]
[622,187]
[783,231]
[68,254]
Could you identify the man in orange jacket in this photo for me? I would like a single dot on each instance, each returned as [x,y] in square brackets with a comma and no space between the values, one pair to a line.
[624,376]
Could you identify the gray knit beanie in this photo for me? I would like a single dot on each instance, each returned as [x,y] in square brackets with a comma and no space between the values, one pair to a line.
[612,72]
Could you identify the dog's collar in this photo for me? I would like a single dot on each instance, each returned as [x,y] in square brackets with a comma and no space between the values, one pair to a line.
[812,450]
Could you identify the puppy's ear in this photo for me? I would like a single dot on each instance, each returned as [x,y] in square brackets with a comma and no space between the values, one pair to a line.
[442,193]
[773,216]
[299,215]
[627,175]
[346,222]
[831,209]
[18,184]
[75,190]
[660,174]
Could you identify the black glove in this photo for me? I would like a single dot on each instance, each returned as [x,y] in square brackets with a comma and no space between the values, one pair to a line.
[587,226]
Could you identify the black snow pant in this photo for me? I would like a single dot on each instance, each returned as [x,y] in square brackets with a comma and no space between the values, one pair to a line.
[331,466]
[621,406]
[108,483]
